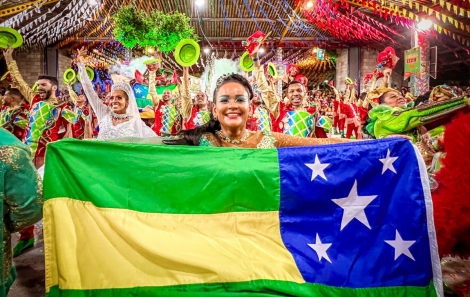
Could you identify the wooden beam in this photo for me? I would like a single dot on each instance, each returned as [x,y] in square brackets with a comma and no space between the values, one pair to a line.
[228,39]
[261,20]
[21,7]
[466,62]
[296,9]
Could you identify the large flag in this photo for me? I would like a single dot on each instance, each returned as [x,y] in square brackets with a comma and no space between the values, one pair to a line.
[124,219]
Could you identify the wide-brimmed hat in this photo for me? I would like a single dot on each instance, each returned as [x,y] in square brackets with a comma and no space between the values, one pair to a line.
[90,72]
[69,76]
[151,61]
[272,70]
[10,37]
[246,63]
[5,76]
[35,87]
[187,52]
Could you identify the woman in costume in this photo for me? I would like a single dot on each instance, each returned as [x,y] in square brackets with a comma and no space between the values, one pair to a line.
[121,118]
[232,96]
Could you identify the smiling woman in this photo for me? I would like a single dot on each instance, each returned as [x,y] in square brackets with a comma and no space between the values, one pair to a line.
[227,126]
[121,118]
[393,99]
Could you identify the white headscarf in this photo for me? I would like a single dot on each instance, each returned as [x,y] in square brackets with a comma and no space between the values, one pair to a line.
[132,109]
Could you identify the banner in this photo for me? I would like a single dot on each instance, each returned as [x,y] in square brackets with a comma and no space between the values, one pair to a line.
[321,54]
[413,62]
[128,219]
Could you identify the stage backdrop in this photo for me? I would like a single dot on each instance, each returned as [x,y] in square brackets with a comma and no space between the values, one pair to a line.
[125,219]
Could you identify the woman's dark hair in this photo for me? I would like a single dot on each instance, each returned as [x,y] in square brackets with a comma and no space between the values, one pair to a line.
[191,137]
[227,78]
[382,98]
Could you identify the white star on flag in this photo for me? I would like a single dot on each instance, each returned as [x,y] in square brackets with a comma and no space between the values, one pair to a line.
[320,248]
[353,207]
[317,168]
[402,247]
[388,163]
[138,91]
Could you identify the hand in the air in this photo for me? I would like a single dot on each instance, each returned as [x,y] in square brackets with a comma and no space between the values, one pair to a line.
[82,55]
[8,53]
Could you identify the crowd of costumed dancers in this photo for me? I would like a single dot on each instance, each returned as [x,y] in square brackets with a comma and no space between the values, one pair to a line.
[141,99]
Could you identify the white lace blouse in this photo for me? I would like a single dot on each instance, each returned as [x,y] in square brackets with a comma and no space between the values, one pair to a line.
[107,131]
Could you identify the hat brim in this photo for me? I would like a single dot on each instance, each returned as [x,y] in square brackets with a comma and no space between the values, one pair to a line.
[187,52]
[246,63]
[5,75]
[10,37]
[69,76]
[35,87]
[272,70]
[90,72]
[151,61]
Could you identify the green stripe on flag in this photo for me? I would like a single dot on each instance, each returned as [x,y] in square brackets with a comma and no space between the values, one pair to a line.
[264,288]
[130,175]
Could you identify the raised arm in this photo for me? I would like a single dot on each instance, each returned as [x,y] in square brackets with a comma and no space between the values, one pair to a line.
[268,95]
[152,90]
[185,96]
[100,109]
[72,94]
[16,75]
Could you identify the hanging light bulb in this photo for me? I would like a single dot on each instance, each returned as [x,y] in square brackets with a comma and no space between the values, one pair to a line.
[309,4]
[424,25]
[150,50]
[199,3]
[261,50]
[207,50]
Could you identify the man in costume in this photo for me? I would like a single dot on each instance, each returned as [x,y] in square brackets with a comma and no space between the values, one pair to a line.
[21,198]
[195,113]
[47,117]
[338,116]
[83,128]
[349,109]
[291,118]
[260,118]
[14,114]
[166,114]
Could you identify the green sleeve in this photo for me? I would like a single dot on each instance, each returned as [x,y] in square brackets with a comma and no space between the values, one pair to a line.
[387,120]
[23,189]
[70,116]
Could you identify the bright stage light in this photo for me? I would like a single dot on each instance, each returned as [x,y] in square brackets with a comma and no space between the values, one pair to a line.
[424,25]
[207,50]
[150,50]
[199,3]
[261,50]
[309,4]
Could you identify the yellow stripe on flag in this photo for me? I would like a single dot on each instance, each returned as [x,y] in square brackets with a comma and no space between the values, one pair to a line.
[98,248]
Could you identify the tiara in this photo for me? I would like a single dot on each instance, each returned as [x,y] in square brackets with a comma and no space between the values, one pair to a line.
[122,86]
[221,79]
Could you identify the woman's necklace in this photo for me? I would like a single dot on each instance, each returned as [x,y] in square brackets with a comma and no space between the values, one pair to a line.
[120,116]
[225,138]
